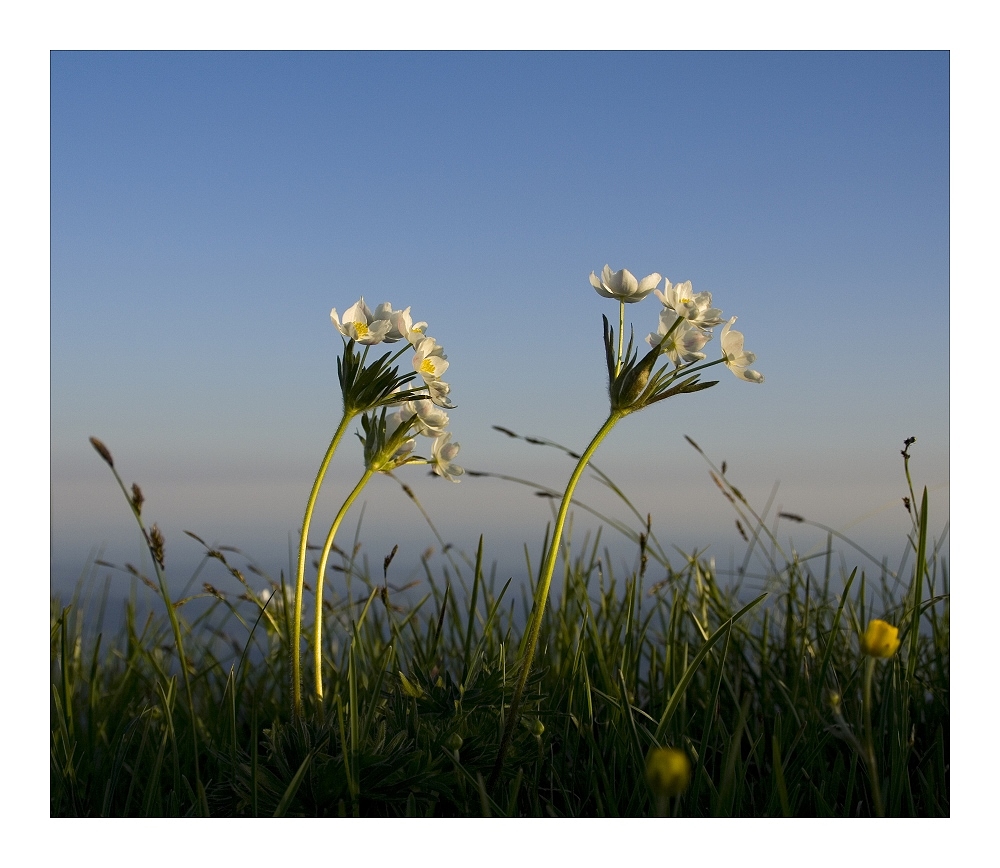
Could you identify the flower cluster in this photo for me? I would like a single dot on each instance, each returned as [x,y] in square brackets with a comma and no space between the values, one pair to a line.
[415,411]
[422,417]
[385,325]
[685,327]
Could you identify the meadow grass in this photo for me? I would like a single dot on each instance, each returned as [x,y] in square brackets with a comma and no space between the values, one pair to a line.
[758,679]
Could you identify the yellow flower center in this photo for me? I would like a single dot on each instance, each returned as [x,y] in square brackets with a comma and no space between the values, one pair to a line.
[427,367]
[361,328]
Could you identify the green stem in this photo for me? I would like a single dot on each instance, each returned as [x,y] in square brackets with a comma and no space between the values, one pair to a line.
[542,592]
[870,740]
[406,346]
[691,369]
[301,569]
[621,335]
[327,546]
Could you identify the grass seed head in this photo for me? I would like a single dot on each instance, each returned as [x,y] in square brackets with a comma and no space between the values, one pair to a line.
[156,544]
[102,450]
[137,498]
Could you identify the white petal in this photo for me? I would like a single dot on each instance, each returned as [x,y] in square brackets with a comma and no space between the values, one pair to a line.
[649,283]
[357,312]
[750,376]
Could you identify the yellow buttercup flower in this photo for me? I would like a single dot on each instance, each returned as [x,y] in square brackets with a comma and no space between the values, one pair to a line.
[668,771]
[880,639]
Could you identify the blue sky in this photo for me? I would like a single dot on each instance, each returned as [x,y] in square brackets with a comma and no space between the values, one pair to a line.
[208,209]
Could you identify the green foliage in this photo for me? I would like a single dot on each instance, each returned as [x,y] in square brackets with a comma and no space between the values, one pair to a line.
[366,387]
[635,385]
[763,695]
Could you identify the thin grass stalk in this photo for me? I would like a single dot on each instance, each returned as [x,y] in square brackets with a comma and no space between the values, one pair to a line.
[690,668]
[171,614]
[476,581]
[834,628]
[918,575]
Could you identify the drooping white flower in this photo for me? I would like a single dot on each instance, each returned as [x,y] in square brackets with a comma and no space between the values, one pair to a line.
[430,361]
[359,324]
[622,285]
[442,454]
[431,420]
[737,360]
[438,391]
[684,342]
[694,307]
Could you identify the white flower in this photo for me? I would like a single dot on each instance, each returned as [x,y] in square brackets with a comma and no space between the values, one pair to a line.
[694,307]
[736,359]
[404,327]
[431,421]
[438,391]
[400,324]
[623,285]
[360,324]
[385,312]
[441,462]
[430,361]
[684,342]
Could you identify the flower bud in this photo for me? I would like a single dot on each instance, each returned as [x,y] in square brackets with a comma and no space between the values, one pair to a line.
[668,771]
[633,385]
[453,741]
[880,639]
